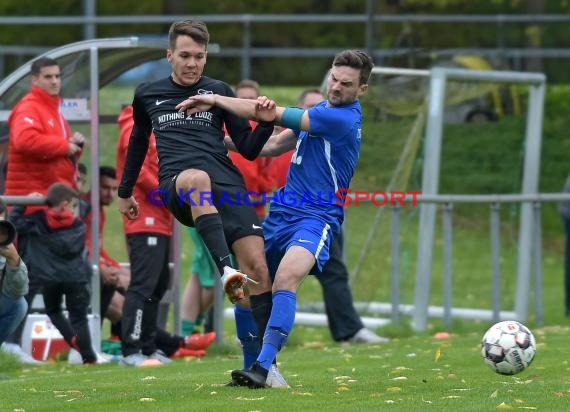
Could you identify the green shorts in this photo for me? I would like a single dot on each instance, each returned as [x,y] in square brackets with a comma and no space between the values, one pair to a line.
[202,264]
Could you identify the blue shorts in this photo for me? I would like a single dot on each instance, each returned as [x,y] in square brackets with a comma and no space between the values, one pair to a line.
[283,230]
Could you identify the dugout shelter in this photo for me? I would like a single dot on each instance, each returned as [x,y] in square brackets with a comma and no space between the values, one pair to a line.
[87,67]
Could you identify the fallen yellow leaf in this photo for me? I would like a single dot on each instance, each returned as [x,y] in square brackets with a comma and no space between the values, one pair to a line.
[437,354]
[149,378]
[313,345]
[338,379]
[243,398]
[504,406]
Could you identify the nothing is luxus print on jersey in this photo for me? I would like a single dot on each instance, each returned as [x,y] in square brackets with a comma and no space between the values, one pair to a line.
[188,141]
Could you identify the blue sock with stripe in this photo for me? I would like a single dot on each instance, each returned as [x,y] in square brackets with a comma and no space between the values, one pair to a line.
[279,326]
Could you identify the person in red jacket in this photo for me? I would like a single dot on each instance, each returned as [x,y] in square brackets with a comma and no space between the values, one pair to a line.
[42,149]
[257,173]
[148,245]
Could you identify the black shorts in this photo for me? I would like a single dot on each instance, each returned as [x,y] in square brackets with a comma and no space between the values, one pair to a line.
[238,218]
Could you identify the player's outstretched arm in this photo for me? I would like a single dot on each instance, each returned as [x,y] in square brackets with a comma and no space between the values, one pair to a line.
[290,117]
[276,145]
[263,109]
[246,108]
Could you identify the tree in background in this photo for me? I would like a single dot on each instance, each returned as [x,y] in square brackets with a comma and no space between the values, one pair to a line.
[421,36]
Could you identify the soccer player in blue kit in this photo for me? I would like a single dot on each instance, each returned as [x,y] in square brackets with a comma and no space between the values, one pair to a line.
[304,215]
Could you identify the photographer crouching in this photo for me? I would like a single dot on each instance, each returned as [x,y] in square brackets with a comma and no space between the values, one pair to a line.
[13,279]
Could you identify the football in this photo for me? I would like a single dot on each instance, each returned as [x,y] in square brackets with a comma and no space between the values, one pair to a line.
[508,347]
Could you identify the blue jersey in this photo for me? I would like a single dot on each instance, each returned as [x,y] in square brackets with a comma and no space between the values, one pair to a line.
[323,163]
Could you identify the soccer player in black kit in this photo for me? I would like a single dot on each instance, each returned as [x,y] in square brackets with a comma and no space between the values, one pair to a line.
[194,166]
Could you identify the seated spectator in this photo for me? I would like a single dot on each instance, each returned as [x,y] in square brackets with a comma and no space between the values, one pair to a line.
[115,281]
[198,294]
[13,283]
[113,275]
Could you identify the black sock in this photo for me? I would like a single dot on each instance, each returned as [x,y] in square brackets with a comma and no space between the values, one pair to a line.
[210,228]
[116,329]
[261,310]
[168,343]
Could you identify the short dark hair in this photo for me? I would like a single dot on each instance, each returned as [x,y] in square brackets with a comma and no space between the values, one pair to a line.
[307,92]
[195,29]
[356,59]
[60,192]
[39,64]
[248,83]
[107,171]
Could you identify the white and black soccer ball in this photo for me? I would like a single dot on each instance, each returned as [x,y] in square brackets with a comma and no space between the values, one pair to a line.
[508,347]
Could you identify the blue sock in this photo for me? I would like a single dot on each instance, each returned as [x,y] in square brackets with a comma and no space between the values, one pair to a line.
[279,326]
[247,335]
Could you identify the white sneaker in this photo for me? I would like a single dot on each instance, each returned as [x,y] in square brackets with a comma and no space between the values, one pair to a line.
[275,379]
[74,357]
[161,357]
[365,335]
[18,353]
[138,360]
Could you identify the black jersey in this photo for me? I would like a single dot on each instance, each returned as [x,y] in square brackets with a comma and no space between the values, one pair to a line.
[183,142]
